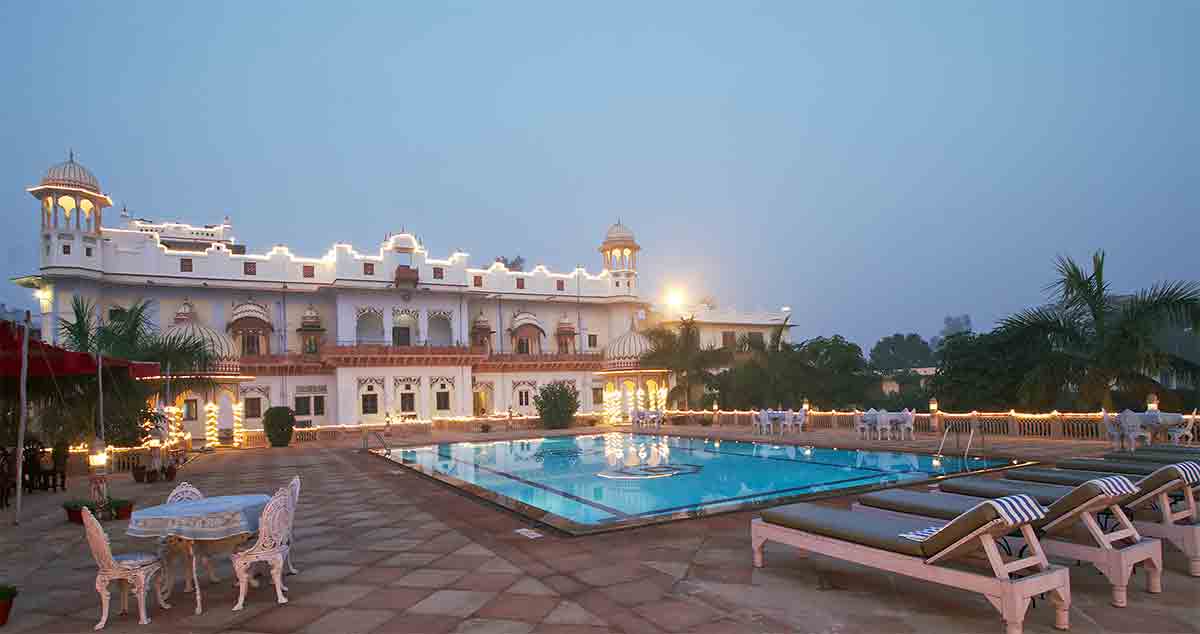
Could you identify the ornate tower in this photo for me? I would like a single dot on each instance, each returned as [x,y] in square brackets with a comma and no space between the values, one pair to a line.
[619,251]
[71,209]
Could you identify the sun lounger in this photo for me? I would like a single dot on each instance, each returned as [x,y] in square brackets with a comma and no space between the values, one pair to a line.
[916,549]
[1143,455]
[1132,467]
[1184,449]
[1114,553]
[1151,507]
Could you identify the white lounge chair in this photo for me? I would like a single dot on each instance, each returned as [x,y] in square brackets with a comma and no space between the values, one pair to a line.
[1071,528]
[913,548]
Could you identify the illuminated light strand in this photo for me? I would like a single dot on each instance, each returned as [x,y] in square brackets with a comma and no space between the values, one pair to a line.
[211,434]
[239,432]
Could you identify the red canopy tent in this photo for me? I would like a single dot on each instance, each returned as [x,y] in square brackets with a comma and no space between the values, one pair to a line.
[48,360]
[45,360]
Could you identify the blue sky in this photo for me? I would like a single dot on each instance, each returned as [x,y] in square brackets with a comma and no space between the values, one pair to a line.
[874,165]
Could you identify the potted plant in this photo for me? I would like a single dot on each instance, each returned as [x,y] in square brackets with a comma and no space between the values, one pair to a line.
[279,422]
[120,509]
[485,427]
[139,473]
[556,404]
[169,472]
[152,475]
[7,594]
[74,510]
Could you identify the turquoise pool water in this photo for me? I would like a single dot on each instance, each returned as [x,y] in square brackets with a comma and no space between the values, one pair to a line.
[621,477]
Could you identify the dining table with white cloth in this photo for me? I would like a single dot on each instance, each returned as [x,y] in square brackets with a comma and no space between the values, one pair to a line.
[207,519]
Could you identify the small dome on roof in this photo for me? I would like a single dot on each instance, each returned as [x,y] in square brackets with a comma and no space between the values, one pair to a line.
[619,232]
[71,174]
[481,322]
[311,318]
[219,344]
[625,352]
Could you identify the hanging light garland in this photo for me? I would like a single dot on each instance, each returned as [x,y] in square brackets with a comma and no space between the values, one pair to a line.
[239,432]
[612,407]
[662,398]
[210,425]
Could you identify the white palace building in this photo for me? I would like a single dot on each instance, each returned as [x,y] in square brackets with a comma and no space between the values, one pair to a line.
[355,337]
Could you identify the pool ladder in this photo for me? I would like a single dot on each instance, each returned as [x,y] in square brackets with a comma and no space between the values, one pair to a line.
[946,433]
[387,449]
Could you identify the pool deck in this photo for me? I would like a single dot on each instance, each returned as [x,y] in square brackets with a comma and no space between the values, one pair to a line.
[383,550]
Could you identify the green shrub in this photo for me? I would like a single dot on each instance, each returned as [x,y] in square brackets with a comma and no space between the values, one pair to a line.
[118,503]
[7,592]
[75,505]
[278,422]
[556,404]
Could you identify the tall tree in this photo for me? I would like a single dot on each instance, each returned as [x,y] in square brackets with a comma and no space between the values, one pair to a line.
[951,325]
[1093,341]
[899,352]
[128,334]
[678,350]
[838,374]
[516,263]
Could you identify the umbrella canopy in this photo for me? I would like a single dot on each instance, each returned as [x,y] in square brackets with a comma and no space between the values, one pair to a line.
[48,360]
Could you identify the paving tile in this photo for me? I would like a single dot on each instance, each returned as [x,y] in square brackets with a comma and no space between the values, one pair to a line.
[328,572]
[563,584]
[609,575]
[519,607]
[460,603]
[283,618]
[675,616]
[634,592]
[409,623]
[497,564]
[377,575]
[429,578]
[546,628]
[407,560]
[349,621]
[529,585]
[493,626]
[335,595]
[394,598]
[485,582]
[571,613]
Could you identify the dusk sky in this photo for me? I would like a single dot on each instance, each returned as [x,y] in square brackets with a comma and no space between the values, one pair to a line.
[875,165]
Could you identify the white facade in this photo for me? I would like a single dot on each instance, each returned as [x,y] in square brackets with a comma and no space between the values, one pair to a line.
[388,332]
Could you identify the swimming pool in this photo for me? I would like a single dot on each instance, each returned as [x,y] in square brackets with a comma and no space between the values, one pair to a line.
[594,482]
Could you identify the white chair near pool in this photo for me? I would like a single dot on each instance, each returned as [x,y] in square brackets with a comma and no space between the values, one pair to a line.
[135,570]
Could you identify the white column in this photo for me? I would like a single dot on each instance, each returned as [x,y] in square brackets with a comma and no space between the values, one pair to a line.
[388,323]
[347,399]
[423,325]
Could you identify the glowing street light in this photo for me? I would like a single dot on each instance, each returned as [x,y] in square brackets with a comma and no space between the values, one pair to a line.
[675,298]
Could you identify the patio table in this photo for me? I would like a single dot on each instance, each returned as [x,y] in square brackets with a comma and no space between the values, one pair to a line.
[206,519]
[1157,423]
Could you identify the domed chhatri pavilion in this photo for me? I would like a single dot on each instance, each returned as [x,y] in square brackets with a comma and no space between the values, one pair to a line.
[634,386]
[350,336]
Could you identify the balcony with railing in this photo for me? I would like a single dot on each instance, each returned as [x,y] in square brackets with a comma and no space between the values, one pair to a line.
[366,352]
[509,361]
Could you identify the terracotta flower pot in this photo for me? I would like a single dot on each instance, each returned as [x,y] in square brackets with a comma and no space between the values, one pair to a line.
[139,474]
[5,608]
[123,512]
[75,516]
[170,473]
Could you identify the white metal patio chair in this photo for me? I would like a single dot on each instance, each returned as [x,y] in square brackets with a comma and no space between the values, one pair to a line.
[1185,433]
[790,423]
[907,423]
[173,548]
[134,570]
[1132,430]
[294,490]
[865,423]
[1112,427]
[274,529]
[762,423]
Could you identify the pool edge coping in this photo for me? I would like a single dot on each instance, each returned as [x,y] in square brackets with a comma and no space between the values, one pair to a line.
[576,529]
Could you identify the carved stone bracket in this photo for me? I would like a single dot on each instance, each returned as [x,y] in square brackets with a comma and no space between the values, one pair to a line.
[531,383]
[359,311]
[398,312]
[406,380]
[370,380]
[441,379]
[448,315]
[264,390]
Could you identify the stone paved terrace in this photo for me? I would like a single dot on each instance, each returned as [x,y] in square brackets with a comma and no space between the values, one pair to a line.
[383,550]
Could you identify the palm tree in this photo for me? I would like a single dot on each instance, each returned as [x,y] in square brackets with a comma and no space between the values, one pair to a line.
[1091,341]
[774,363]
[679,351]
[128,334]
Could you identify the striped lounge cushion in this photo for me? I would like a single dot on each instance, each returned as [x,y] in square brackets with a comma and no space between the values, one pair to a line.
[1013,509]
